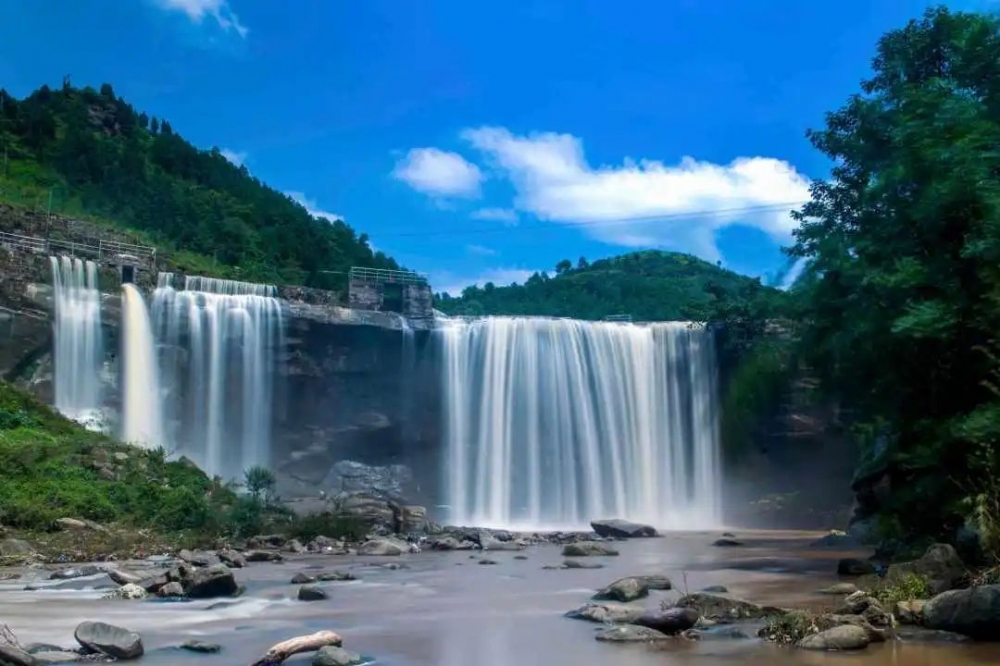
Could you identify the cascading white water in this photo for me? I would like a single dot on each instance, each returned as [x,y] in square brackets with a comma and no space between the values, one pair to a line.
[554,422]
[78,349]
[142,421]
[221,387]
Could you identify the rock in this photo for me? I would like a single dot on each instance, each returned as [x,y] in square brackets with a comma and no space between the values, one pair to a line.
[727,543]
[322,544]
[302,579]
[171,590]
[72,524]
[630,633]
[910,612]
[412,519]
[383,547]
[919,634]
[55,657]
[451,543]
[123,577]
[723,608]
[128,591]
[336,656]
[844,637]
[621,529]
[15,547]
[76,572]
[850,566]
[973,612]
[232,558]
[336,576]
[202,648]
[577,564]
[10,654]
[669,621]
[198,558]
[110,640]
[606,613]
[588,549]
[840,588]
[715,589]
[487,561]
[263,556]
[312,593]
[294,546]
[656,582]
[214,581]
[940,565]
[725,631]
[487,542]
[624,589]
[857,603]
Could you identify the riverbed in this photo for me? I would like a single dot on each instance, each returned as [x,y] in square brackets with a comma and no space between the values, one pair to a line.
[447,609]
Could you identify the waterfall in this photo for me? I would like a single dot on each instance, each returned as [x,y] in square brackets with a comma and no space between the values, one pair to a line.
[142,422]
[78,349]
[219,340]
[552,423]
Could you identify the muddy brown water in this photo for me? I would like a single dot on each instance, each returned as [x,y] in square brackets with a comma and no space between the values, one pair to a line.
[446,609]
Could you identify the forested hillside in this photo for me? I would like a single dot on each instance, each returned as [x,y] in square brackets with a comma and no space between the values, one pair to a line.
[648,286]
[88,152]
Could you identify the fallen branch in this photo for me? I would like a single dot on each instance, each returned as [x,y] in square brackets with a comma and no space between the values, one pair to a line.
[285,649]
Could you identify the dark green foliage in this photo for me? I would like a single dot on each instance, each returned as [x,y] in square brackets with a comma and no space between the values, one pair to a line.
[91,152]
[649,286]
[903,292]
[259,482]
[332,525]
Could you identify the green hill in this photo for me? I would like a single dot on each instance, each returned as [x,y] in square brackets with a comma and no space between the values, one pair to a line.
[89,153]
[648,286]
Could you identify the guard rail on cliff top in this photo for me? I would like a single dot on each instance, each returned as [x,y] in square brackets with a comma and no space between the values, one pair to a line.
[103,251]
[386,275]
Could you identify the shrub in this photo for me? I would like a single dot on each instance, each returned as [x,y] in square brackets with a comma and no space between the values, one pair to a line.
[905,588]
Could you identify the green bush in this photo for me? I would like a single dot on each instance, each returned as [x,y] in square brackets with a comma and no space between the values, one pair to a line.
[905,588]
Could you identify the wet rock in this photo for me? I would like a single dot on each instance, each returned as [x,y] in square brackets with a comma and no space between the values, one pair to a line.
[294,546]
[15,656]
[606,613]
[844,637]
[940,565]
[717,607]
[312,593]
[656,582]
[231,558]
[487,542]
[728,631]
[451,543]
[330,576]
[487,561]
[383,547]
[110,640]
[669,621]
[621,529]
[910,612]
[76,572]
[336,656]
[588,549]
[921,635]
[322,544]
[412,519]
[840,588]
[55,657]
[850,566]
[202,648]
[715,589]
[577,564]
[122,577]
[15,547]
[520,557]
[858,603]
[263,556]
[266,541]
[170,590]
[198,558]
[302,579]
[128,591]
[624,590]
[726,542]
[630,633]
[973,612]
[214,581]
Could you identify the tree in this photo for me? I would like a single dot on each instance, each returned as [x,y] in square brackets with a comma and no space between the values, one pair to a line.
[563,266]
[904,247]
[259,482]
[582,263]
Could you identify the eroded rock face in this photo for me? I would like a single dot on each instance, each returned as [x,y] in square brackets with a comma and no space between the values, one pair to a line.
[621,529]
[110,640]
[974,612]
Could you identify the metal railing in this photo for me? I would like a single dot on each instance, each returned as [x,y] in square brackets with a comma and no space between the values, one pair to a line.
[386,275]
[104,250]
[619,317]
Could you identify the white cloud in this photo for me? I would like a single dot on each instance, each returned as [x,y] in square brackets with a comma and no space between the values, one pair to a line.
[311,206]
[680,206]
[450,283]
[197,10]
[235,156]
[505,215]
[481,250]
[439,173]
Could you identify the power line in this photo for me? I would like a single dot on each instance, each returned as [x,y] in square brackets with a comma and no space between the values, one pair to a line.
[763,208]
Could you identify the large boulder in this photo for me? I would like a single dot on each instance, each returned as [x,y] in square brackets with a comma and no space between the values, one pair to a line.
[588,549]
[383,547]
[607,613]
[668,621]
[715,607]
[198,558]
[630,633]
[940,566]
[412,519]
[108,639]
[214,581]
[974,612]
[910,612]
[844,637]
[621,529]
[231,558]
[624,589]
[15,656]
[332,655]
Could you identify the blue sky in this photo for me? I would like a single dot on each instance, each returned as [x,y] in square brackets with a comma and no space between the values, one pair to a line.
[485,140]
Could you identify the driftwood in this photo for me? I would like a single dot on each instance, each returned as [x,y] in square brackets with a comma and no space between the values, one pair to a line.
[285,649]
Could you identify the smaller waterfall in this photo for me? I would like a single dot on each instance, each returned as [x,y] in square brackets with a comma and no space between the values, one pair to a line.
[77,345]
[141,420]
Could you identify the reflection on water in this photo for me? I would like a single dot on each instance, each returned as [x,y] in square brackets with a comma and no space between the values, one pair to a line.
[445,609]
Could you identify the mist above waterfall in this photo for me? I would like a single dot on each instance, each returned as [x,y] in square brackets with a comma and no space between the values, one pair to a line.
[554,422]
